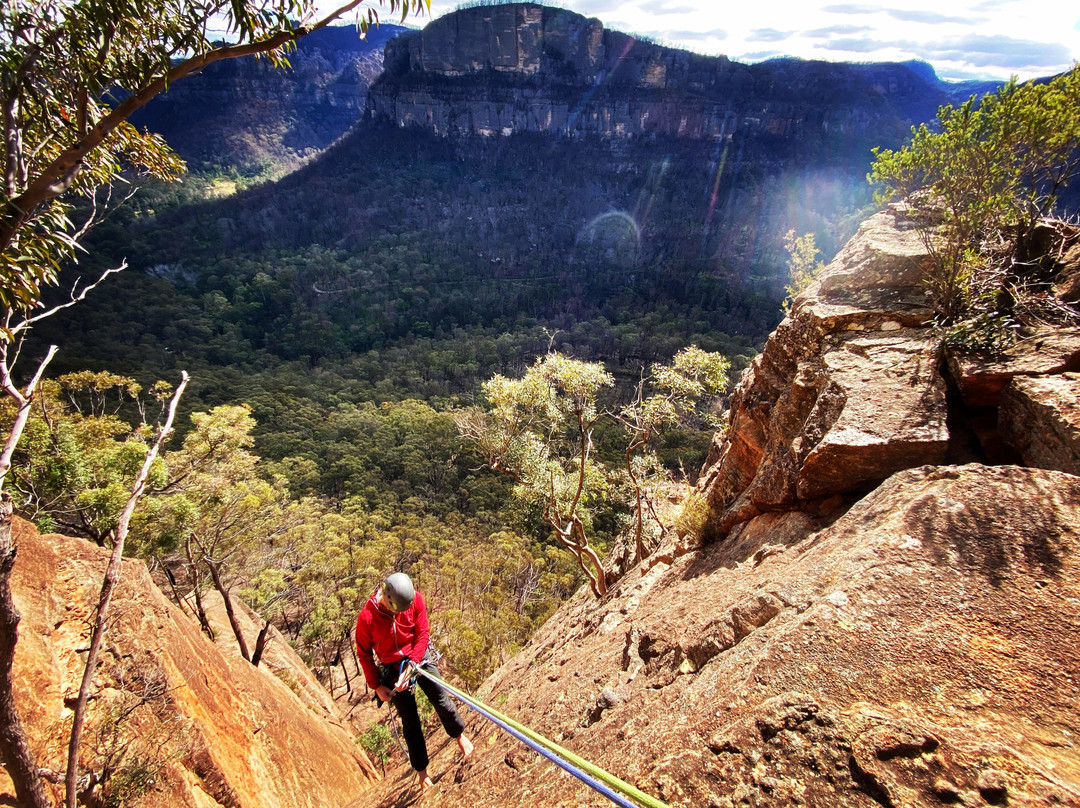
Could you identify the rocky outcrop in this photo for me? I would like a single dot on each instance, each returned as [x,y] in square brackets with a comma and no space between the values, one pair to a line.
[199,727]
[1040,418]
[982,379]
[847,391]
[522,67]
[921,650]
[854,386]
[877,621]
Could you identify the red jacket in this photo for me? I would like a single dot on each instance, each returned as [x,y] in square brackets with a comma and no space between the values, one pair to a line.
[390,637]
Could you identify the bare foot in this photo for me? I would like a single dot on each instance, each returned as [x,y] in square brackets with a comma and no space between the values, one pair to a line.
[466,747]
[425,782]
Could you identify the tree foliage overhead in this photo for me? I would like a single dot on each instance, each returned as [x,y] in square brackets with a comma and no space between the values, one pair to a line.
[979,184]
[72,73]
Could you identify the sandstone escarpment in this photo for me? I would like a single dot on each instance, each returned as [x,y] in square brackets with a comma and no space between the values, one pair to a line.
[853,387]
[246,114]
[921,650]
[522,67]
[204,726]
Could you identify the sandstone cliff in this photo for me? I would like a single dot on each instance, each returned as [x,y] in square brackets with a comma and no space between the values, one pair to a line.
[522,67]
[197,725]
[887,613]
[247,115]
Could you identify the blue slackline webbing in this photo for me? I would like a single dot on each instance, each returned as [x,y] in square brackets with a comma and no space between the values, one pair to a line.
[590,781]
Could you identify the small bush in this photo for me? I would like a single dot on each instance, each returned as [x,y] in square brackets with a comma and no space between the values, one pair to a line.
[377,741]
[693,517]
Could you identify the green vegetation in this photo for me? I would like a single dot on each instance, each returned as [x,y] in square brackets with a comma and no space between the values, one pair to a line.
[539,432]
[218,518]
[681,394]
[355,359]
[979,187]
[803,264]
[377,741]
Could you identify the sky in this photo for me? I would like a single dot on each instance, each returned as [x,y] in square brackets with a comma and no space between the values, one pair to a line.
[962,39]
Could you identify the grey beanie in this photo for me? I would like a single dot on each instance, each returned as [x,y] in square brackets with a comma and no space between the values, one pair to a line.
[399,591]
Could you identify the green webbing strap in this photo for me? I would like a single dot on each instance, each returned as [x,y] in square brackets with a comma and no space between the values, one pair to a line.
[611,780]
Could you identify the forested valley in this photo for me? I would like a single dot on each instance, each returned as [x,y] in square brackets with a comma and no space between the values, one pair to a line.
[337,323]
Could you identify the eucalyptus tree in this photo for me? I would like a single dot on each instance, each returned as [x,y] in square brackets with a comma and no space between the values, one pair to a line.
[539,432]
[219,510]
[672,394]
[977,186]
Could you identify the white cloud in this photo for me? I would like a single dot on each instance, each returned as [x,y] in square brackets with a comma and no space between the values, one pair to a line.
[961,38]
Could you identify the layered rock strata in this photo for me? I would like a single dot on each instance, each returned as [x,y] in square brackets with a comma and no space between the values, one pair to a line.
[522,67]
[922,650]
[847,391]
[854,385]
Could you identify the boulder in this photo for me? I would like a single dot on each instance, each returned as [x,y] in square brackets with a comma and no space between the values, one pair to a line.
[204,726]
[886,257]
[1040,418]
[846,392]
[982,378]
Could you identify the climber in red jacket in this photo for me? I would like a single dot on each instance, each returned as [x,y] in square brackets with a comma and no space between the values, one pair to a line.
[391,629]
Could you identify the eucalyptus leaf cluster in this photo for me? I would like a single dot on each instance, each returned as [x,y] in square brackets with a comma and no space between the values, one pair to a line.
[978,184]
[539,431]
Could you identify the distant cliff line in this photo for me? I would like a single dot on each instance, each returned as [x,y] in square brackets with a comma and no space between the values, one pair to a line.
[502,70]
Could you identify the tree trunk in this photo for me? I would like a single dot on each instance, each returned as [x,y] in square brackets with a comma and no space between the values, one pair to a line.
[355,658]
[215,574]
[344,670]
[193,574]
[639,544]
[14,751]
[599,580]
[260,644]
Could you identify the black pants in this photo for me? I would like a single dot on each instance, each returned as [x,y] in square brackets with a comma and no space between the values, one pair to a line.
[405,704]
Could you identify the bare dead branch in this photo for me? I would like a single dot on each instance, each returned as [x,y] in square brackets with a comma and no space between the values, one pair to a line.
[108,585]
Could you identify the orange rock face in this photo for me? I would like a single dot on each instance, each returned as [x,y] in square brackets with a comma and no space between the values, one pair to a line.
[922,650]
[847,391]
[1040,418]
[877,621]
[206,727]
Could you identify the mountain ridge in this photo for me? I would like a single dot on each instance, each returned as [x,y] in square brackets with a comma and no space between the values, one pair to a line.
[246,116]
[518,67]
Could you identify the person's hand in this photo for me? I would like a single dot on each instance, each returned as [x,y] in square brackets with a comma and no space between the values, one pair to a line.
[403,680]
[383,692]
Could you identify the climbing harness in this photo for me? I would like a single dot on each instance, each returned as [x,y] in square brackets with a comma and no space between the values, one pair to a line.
[593,776]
